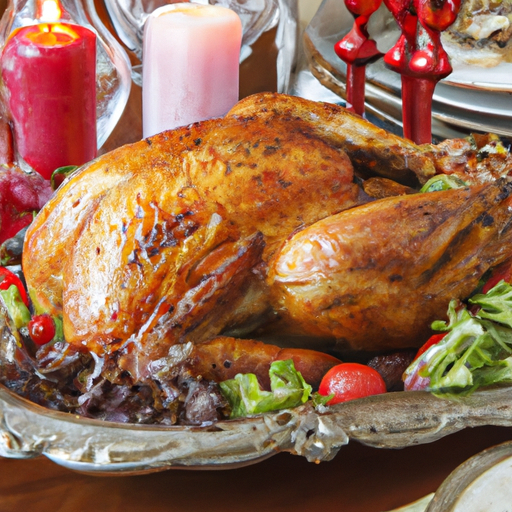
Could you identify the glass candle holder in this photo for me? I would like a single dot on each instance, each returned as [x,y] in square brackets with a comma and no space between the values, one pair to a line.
[257,16]
[113,68]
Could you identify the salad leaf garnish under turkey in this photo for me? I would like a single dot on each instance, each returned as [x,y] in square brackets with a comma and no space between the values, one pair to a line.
[476,350]
[288,389]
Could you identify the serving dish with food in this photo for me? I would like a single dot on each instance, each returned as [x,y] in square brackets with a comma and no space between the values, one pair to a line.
[189,294]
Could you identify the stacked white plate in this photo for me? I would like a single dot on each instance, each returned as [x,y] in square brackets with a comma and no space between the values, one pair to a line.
[471,99]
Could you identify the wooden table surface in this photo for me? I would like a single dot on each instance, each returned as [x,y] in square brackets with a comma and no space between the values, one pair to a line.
[358,479]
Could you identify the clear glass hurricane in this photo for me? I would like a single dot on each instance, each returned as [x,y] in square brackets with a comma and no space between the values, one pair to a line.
[258,16]
[113,69]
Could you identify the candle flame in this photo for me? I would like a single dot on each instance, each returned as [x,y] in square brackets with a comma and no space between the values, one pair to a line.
[50,10]
[48,34]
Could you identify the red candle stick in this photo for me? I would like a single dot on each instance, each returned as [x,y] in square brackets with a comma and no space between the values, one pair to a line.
[357,50]
[420,58]
[49,71]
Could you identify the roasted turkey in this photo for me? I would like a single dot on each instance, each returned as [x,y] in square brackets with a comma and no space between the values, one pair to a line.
[278,218]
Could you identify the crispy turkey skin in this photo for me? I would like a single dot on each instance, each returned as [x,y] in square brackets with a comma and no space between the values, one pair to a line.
[377,276]
[169,240]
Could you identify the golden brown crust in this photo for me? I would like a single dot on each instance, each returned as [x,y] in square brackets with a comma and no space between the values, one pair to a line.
[100,251]
[157,243]
[376,276]
[372,150]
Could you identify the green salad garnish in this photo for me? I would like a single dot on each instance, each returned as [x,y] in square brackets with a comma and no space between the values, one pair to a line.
[476,350]
[18,312]
[443,182]
[288,389]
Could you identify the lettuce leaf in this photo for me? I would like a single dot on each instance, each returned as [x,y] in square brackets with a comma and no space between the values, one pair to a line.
[476,351]
[18,312]
[443,182]
[496,304]
[245,396]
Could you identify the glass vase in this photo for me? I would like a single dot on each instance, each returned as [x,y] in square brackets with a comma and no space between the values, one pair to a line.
[258,16]
[113,68]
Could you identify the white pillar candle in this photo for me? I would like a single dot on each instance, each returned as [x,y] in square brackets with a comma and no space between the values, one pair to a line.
[190,65]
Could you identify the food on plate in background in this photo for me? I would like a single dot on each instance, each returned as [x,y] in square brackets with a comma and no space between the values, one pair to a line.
[482,33]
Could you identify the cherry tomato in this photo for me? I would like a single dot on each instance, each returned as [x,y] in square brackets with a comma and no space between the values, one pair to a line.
[8,278]
[433,340]
[41,329]
[501,272]
[348,381]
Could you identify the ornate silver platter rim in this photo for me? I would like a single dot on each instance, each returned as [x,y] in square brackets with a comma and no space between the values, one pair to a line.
[393,420]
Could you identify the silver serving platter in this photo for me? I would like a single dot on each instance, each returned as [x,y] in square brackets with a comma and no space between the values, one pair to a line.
[392,420]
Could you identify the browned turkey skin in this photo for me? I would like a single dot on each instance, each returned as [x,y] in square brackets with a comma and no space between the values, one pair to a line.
[169,240]
[378,275]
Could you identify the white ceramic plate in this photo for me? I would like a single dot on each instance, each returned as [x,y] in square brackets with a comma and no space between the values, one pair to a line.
[482,483]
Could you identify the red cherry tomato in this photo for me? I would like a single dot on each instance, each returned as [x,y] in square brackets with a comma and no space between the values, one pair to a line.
[8,278]
[348,381]
[41,329]
[501,272]
[433,340]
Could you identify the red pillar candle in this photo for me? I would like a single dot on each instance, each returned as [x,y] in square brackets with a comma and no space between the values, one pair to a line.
[49,71]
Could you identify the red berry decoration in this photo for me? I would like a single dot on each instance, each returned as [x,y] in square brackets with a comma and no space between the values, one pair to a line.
[41,329]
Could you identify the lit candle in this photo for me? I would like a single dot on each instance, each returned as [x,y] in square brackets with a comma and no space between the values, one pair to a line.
[49,71]
[191,58]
